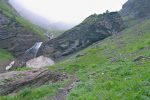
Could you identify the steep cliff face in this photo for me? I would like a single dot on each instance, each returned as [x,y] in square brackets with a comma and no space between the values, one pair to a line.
[92,29]
[14,36]
[136,8]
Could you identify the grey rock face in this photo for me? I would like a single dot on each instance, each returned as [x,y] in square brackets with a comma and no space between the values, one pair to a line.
[14,37]
[92,29]
[136,8]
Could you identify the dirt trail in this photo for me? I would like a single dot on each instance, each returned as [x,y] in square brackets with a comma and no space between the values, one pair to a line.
[60,95]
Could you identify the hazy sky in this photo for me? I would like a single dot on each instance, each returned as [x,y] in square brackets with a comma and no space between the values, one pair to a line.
[69,11]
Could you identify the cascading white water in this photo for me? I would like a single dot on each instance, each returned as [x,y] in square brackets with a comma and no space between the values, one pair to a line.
[34,49]
[49,35]
[36,62]
[29,54]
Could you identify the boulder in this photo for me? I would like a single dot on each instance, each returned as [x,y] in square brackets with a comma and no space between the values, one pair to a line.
[40,62]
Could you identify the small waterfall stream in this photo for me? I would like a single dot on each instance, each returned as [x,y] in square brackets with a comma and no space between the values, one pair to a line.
[34,49]
[32,52]
[49,35]
[29,54]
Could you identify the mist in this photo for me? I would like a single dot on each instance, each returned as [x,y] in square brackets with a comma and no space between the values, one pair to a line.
[62,14]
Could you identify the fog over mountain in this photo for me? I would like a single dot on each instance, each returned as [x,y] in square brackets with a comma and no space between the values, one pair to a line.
[38,19]
[64,14]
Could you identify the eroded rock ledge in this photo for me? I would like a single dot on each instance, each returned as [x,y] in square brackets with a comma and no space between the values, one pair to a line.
[15,80]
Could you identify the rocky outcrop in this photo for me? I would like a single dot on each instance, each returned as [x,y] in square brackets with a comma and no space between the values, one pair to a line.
[12,81]
[14,37]
[134,9]
[92,29]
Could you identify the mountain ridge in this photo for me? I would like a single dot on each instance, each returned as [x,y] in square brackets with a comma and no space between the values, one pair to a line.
[92,29]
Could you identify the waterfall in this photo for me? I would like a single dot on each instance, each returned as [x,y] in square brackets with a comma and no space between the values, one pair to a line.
[34,49]
[32,52]
[29,54]
[49,35]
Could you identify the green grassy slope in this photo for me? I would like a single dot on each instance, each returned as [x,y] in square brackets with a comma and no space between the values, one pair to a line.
[106,69]
[6,9]
[4,56]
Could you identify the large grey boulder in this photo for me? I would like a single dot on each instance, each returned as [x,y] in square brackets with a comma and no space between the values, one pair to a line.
[39,62]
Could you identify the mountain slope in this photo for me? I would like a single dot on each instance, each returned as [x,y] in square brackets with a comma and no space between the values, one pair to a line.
[115,68]
[5,57]
[56,28]
[10,12]
[135,9]
[16,34]
[92,29]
